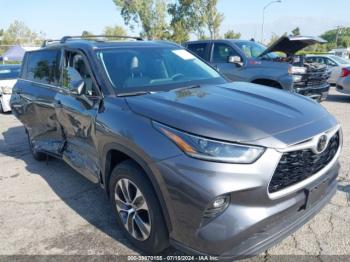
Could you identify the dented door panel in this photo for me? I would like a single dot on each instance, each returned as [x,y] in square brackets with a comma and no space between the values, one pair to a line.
[34,105]
[78,125]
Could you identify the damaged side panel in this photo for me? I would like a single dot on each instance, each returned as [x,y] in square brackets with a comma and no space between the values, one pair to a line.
[38,115]
[78,127]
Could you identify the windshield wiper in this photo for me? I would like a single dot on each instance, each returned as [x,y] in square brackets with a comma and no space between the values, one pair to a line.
[135,93]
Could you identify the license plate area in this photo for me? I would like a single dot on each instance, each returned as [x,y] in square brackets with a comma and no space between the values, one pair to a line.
[315,193]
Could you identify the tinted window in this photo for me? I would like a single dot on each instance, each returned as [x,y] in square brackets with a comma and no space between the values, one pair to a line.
[155,68]
[199,49]
[9,72]
[222,52]
[43,66]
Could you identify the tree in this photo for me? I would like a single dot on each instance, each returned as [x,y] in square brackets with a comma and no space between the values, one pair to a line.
[150,15]
[114,30]
[296,31]
[212,18]
[230,34]
[86,33]
[19,33]
[274,38]
[195,16]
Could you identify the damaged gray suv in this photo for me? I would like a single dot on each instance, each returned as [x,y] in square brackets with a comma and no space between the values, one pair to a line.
[187,158]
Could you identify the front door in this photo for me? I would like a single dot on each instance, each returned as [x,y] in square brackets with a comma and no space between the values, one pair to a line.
[221,53]
[76,113]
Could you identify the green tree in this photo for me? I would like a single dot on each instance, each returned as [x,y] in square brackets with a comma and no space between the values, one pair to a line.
[274,38]
[296,31]
[200,17]
[212,18]
[150,15]
[230,34]
[114,30]
[19,33]
[86,33]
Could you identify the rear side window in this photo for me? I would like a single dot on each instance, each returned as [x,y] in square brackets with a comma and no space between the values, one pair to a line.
[44,67]
[199,49]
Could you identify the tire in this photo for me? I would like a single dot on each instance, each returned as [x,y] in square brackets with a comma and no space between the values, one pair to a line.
[1,109]
[154,237]
[39,156]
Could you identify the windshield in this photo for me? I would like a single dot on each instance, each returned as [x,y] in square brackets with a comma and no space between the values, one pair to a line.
[9,72]
[340,60]
[155,69]
[253,49]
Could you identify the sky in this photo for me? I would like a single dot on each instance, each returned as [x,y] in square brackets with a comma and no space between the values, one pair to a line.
[71,17]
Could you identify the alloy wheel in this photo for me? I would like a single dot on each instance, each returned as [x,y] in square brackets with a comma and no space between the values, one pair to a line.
[132,209]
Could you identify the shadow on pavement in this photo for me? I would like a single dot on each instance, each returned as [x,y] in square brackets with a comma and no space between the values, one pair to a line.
[85,198]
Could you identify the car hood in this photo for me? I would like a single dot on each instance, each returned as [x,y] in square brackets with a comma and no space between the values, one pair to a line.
[236,112]
[292,44]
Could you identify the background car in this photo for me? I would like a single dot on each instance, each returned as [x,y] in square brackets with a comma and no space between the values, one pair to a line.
[333,62]
[8,78]
[249,61]
[343,82]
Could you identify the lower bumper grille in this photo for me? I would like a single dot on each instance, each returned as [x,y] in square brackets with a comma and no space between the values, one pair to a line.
[297,166]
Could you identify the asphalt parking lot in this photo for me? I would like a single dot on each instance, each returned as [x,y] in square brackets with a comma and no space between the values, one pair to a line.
[49,209]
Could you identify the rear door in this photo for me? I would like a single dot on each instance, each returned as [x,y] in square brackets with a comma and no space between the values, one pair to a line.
[33,99]
[200,49]
[76,114]
[219,58]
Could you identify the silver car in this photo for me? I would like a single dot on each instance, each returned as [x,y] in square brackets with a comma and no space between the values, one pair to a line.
[334,63]
[343,82]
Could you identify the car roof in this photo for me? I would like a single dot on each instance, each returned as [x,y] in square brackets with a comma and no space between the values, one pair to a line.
[95,45]
[218,40]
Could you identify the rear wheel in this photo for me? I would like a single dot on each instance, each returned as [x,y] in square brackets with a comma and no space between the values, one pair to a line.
[39,156]
[137,208]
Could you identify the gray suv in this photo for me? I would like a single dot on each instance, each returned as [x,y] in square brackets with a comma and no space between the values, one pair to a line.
[248,61]
[186,158]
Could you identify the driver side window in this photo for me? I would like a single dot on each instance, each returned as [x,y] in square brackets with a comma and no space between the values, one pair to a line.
[76,60]
[222,52]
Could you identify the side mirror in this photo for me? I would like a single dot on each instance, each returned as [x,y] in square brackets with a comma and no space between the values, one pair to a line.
[235,60]
[73,80]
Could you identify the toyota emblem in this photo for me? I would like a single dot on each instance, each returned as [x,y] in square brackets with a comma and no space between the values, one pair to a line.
[321,144]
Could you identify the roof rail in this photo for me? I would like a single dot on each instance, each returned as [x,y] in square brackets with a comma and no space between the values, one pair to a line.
[65,38]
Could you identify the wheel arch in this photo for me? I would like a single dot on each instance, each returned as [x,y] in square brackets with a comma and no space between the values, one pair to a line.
[267,82]
[114,154]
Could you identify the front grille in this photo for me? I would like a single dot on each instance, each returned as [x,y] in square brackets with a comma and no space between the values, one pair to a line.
[296,166]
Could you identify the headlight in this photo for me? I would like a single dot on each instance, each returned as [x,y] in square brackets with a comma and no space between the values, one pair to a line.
[297,78]
[6,90]
[212,150]
[296,70]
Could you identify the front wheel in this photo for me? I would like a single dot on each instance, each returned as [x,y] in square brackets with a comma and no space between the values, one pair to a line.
[137,208]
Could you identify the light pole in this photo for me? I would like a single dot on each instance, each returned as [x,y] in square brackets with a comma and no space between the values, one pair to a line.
[263,17]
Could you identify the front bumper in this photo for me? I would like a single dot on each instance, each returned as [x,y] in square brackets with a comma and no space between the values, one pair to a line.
[253,221]
[5,102]
[319,93]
